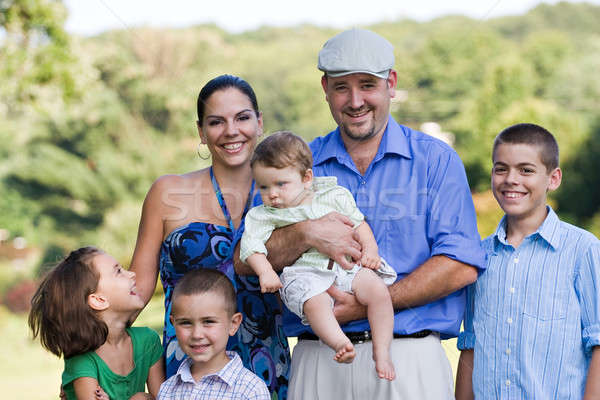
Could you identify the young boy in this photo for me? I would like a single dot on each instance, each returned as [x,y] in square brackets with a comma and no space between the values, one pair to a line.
[204,316]
[281,166]
[532,325]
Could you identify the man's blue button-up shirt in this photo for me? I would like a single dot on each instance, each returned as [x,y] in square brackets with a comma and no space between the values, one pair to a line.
[416,198]
[533,316]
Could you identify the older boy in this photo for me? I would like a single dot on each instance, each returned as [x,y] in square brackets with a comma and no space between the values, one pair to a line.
[204,316]
[533,317]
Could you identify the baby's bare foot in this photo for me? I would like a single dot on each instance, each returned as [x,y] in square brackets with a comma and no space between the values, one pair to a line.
[345,354]
[385,369]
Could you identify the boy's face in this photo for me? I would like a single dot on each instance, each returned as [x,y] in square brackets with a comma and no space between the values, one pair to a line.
[203,326]
[520,180]
[282,187]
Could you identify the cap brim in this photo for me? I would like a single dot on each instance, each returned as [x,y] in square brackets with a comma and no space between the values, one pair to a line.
[381,74]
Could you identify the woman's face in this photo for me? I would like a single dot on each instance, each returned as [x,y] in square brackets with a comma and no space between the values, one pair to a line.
[230,127]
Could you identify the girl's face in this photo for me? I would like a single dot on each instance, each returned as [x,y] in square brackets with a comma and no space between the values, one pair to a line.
[230,127]
[116,285]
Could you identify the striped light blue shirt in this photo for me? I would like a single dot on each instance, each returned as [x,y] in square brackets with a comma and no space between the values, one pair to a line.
[233,382]
[533,316]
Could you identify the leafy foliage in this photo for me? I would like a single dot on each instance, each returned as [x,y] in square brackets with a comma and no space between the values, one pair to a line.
[89,123]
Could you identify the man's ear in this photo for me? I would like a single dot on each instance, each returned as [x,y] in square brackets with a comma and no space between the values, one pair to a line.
[236,320]
[555,179]
[324,85]
[97,302]
[392,80]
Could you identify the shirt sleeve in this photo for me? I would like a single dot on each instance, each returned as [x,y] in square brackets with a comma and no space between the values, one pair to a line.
[451,225]
[466,339]
[257,391]
[258,229]
[79,366]
[154,347]
[341,199]
[587,281]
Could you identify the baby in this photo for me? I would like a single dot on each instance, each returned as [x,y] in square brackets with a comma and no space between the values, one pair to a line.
[281,166]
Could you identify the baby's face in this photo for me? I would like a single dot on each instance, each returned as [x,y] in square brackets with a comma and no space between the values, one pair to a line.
[282,187]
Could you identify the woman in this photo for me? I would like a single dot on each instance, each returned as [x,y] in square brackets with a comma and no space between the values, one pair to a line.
[192,221]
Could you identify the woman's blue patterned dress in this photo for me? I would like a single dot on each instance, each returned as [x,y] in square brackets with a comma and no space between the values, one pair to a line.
[260,341]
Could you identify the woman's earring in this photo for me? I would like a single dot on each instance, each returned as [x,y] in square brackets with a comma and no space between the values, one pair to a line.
[207,157]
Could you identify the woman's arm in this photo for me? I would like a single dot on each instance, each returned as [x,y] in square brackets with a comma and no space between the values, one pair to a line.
[150,234]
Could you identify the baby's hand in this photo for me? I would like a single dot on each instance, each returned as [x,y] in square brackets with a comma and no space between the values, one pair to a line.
[141,396]
[370,260]
[269,282]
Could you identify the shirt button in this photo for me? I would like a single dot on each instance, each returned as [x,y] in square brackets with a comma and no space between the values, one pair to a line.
[507,351]
[509,320]
[516,260]
[507,382]
[363,183]
[512,289]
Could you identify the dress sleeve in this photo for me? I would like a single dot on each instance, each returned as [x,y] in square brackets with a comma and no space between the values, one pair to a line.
[586,287]
[466,339]
[258,229]
[451,222]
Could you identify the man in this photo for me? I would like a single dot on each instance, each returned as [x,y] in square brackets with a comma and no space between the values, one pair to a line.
[413,191]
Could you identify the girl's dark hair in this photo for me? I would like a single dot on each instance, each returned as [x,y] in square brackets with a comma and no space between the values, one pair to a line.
[221,83]
[60,313]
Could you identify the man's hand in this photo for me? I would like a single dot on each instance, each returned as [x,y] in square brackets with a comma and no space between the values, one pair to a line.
[346,308]
[333,235]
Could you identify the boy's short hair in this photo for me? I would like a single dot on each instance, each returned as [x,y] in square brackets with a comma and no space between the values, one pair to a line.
[283,149]
[204,280]
[531,134]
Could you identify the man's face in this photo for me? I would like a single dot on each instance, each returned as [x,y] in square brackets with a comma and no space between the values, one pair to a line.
[360,103]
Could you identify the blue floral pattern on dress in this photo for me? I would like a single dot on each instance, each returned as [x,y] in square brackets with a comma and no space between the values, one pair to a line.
[260,341]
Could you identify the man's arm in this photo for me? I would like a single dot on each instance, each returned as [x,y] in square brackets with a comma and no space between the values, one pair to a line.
[437,277]
[332,235]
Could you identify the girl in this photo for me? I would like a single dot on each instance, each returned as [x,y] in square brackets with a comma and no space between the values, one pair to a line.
[81,311]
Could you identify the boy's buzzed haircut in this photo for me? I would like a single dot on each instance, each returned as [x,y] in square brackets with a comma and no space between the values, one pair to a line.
[534,135]
[283,149]
[205,280]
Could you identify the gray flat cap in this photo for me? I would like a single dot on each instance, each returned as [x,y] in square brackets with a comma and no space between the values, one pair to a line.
[357,51]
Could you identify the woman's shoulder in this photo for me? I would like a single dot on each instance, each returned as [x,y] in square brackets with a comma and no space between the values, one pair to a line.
[173,182]
[181,180]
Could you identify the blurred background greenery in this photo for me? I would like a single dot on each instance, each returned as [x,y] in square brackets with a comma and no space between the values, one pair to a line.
[88,123]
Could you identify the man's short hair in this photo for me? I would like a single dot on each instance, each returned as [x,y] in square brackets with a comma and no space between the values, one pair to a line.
[531,134]
[204,280]
[283,149]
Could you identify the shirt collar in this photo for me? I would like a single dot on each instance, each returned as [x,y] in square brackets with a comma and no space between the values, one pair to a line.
[548,230]
[394,141]
[227,374]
